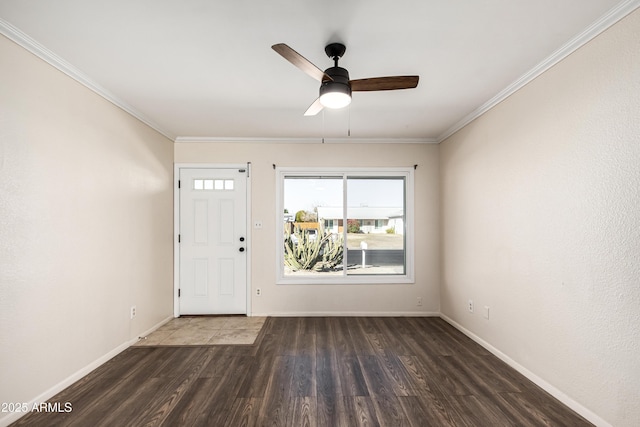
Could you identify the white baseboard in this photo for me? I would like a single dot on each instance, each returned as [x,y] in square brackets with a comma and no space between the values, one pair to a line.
[48,394]
[43,397]
[348,314]
[552,390]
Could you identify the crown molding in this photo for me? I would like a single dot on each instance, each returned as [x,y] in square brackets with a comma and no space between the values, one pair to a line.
[316,140]
[23,40]
[613,16]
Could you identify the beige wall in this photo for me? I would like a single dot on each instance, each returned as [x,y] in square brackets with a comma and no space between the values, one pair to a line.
[541,222]
[85,226]
[333,299]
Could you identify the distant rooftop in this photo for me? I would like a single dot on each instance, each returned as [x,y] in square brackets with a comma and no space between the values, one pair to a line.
[328,212]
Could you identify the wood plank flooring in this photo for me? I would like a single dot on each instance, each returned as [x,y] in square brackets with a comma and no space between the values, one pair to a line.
[316,371]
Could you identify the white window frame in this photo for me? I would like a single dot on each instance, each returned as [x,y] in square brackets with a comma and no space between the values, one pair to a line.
[407,173]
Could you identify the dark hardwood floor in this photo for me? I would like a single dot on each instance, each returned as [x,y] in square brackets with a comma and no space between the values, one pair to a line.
[330,371]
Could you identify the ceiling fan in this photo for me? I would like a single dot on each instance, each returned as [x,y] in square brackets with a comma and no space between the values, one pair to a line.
[336,88]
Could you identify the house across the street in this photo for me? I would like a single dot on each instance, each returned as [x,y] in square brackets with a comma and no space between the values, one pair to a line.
[371,219]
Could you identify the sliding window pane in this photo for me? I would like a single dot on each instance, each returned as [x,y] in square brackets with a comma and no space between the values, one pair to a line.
[313,212]
[375,226]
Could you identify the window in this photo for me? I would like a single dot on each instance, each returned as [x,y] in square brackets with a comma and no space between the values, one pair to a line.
[213,184]
[345,226]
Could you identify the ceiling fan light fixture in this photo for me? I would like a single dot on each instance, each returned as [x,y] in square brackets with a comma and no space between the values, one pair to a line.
[336,86]
[335,95]
[335,100]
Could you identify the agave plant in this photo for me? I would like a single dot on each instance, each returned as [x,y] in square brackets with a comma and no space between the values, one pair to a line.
[318,252]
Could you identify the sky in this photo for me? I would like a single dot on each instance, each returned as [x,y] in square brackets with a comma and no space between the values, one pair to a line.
[308,193]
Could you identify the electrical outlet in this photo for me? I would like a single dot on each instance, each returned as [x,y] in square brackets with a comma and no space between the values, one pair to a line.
[258,292]
[133,311]
[419,302]
[486,312]
[470,306]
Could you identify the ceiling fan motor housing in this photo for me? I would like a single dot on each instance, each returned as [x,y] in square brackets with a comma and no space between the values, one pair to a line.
[340,82]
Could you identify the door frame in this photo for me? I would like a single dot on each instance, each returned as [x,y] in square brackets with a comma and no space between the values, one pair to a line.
[176,225]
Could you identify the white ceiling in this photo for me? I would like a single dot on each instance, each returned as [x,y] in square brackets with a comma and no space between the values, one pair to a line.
[205,68]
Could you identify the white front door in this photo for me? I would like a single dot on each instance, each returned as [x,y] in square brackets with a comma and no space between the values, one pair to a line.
[213,241]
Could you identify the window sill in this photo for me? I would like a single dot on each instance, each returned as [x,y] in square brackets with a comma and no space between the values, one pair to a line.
[350,280]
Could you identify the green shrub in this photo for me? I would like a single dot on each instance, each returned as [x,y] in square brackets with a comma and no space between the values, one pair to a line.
[353,226]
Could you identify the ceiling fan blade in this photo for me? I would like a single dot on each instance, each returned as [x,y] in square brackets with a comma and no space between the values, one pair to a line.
[384,83]
[300,61]
[314,108]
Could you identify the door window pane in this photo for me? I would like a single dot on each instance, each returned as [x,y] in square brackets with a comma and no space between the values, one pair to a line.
[213,184]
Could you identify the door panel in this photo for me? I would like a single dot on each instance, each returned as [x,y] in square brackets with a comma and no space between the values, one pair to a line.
[213,220]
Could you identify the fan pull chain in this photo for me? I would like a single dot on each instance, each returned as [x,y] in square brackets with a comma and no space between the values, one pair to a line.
[349,125]
[323,126]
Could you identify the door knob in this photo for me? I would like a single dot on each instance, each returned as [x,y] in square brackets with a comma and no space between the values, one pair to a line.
[242,239]
[241,249]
